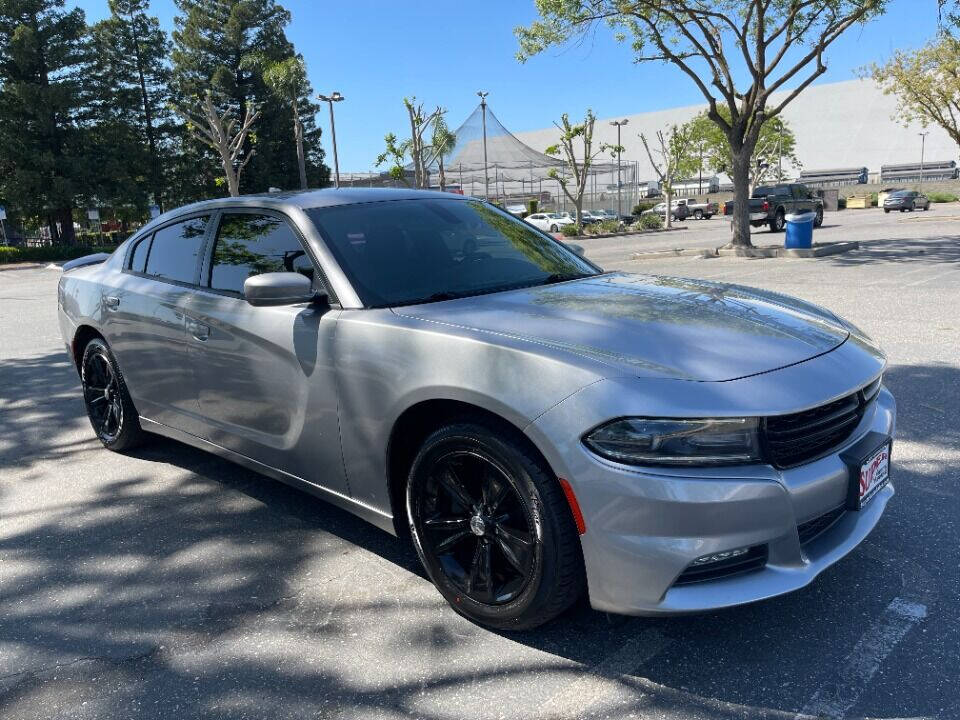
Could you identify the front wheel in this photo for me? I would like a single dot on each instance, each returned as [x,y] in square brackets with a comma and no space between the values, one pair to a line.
[818,219]
[492,527]
[554,228]
[109,405]
[698,215]
[886,210]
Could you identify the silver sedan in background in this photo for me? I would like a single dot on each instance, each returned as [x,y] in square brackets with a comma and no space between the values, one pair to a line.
[538,427]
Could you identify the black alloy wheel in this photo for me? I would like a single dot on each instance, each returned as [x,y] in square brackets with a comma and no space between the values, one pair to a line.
[818,218]
[698,214]
[492,527]
[477,528]
[109,406]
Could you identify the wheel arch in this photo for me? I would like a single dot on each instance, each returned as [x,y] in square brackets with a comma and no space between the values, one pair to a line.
[81,338]
[413,426]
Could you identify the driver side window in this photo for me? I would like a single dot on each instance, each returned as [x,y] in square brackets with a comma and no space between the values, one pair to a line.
[248,244]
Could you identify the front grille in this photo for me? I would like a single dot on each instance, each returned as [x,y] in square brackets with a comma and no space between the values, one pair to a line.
[755,559]
[814,528]
[798,438]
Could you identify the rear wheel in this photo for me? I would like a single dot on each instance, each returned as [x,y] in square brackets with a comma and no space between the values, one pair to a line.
[776,225]
[109,406]
[698,214]
[492,527]
[818,219]
[554,228]
[886,210]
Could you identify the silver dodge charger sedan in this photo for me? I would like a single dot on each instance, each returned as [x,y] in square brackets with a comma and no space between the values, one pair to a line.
[540,428]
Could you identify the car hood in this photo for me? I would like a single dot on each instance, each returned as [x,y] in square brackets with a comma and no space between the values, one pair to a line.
[653,326]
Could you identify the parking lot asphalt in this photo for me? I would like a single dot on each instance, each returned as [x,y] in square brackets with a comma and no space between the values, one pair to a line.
[169,583]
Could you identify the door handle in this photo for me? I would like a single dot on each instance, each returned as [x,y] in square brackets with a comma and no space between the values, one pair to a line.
[112,302]
[198,329]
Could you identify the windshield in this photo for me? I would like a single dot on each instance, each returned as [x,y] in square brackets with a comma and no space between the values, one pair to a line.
[402,252]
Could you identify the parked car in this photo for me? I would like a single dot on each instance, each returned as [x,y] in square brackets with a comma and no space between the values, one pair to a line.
[680,210]
[904,200]
[538,427]
[591,217]
[549,222]
[517,210]
[770,205]
[702,210]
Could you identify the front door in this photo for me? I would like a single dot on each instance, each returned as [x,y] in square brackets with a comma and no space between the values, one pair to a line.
[265,383]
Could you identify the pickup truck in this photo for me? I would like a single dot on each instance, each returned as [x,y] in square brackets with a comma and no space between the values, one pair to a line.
[702,210]
[770,204]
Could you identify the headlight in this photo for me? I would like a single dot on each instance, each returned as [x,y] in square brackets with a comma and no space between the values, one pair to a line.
[647,441]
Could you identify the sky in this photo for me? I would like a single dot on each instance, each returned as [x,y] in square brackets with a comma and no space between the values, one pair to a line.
[375,52]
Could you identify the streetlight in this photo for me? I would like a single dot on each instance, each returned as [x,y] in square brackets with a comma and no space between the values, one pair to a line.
[330,100]
[923,143]
[619,124]
[486,175]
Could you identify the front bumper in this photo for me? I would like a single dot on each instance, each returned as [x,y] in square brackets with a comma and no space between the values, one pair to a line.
[644,526]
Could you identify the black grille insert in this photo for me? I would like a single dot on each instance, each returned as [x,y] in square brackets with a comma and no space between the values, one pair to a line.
[798,438]
[815,528]
[754,559]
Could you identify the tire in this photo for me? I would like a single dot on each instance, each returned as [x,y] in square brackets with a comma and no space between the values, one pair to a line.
[886,210]
[492,527]
[554,228]
[818,219]
[698,215]
[778,222]
[109,407]
[903,209]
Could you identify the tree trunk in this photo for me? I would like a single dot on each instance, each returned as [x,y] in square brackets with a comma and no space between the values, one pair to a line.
[578,206]
[64,234]
[148,120]
[441,176]
[741,198]
[668,211]
[298,137]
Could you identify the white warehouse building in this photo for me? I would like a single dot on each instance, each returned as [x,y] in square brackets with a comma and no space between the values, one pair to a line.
[837,125]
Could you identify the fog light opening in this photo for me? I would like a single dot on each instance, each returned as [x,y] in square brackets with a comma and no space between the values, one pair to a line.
[720,556]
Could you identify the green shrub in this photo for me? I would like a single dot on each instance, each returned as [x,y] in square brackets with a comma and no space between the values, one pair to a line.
[52,253]
[874,199]
[571,230]
[841,203]
[9,254]
[605,226]
[650,221]
[532,206]
[941,197]
[643,205]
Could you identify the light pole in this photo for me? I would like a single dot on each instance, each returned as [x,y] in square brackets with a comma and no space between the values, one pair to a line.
[923,143]
[330,100]
[619,124]
[486,175]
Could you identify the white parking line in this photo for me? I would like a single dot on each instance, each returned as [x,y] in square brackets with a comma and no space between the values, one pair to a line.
[835,698]
[935,277]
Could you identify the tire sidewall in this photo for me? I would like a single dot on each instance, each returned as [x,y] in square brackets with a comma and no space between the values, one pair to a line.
[477,438]
[129,432]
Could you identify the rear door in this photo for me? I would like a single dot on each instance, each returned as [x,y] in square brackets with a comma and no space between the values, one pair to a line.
[144,320]
[264,377]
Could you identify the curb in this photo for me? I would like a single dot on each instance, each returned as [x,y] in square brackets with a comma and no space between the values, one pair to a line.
[754,252]
[21,266]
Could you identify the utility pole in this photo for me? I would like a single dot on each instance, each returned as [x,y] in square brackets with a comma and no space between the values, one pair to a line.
[486,174]
[923,143]
[330,100]
[619,124]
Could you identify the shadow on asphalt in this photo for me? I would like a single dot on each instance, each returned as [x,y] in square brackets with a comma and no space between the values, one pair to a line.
[183,562]
[934,250]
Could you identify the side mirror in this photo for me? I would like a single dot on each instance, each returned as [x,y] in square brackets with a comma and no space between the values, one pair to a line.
[278,288]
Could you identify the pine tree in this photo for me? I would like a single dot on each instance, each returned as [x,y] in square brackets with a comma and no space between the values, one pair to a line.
[131,80]
[44,169]
[213,42]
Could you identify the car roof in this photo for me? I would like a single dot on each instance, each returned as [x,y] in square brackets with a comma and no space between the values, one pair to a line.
[305,199]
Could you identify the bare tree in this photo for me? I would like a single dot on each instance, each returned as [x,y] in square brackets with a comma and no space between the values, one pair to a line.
[222,130]
[675,159]
[574,137]
[737,52]
[419,122]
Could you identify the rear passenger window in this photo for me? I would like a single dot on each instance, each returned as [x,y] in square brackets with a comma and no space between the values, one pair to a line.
[138,259]
[175,249]
[248,245]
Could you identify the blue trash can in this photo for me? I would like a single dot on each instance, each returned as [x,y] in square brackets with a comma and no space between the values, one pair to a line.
[799,230]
